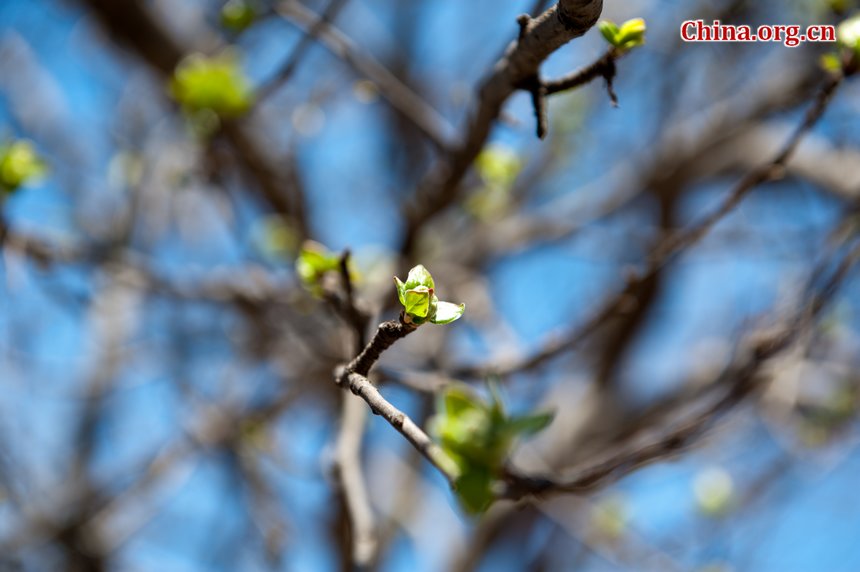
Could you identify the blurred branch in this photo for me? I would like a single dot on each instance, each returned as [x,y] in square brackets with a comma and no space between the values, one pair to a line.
[42,252]
[134,24]
[740,379]
[289,67]
[347,468]
[683,154]
[353,420]
[541,89]
[668,249]
[405,101]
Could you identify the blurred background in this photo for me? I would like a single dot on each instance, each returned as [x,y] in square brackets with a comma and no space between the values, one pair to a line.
[166,391]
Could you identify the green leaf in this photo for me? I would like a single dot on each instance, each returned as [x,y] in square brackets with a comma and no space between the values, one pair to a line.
[631,34]
[475,490]
[609,30]
[466,435]
[464,427]
[401,291]
[477,436]
[530,424]
[419,276]
[478,432]
[446,312]
[237,15]
[417,301]
[216,84]
[457,400]
[19,165]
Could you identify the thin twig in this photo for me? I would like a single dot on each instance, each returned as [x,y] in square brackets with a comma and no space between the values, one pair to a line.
[403,99]
[288,69]
[347,470]
[362,387]
[603,67]
[353,420]
[386,334]
[353,376]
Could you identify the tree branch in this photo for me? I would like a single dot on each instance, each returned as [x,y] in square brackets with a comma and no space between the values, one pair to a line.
[538,39]
[362,387]
[740,379]
[670,247]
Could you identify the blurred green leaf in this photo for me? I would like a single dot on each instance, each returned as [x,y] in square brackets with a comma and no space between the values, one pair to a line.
[498,165]
[19,165]
[457,400]
[831,62]
[237,15]
[530,424]
[474,488]
[478,436]
[609,30]
[313,262]
[216,84]
[489,203]
[276,237]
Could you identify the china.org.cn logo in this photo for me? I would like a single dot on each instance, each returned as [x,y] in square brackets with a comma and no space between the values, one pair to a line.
[790,35]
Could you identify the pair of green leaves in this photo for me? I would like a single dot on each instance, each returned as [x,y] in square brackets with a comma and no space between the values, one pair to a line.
[420,304]
[631,34]
[213,84]
[19,165]
[478,437]
[848,41]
